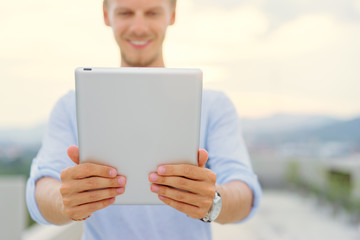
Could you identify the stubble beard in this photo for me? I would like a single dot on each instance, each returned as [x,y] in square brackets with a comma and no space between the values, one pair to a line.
[139,62]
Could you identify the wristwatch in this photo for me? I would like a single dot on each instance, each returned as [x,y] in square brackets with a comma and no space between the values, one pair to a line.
[214,210]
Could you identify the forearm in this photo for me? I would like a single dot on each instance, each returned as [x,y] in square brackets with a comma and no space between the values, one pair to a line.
[49,200]
[237,200]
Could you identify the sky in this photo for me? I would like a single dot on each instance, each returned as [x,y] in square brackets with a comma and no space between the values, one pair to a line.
[288,56]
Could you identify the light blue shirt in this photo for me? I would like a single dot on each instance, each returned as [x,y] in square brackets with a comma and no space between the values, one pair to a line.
[220,135]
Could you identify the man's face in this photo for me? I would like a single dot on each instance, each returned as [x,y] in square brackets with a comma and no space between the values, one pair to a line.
[139,28]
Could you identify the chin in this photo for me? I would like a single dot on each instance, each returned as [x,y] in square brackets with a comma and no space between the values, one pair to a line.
[136,62]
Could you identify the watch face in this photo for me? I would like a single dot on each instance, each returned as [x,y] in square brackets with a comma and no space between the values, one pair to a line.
[215,213]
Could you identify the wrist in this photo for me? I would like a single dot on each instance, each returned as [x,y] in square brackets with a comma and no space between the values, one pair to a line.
[61,209]
[215,209]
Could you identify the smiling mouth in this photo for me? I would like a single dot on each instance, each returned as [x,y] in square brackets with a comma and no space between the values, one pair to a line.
[139,44]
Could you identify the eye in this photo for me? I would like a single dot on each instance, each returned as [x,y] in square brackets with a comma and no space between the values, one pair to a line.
[152,13]
[124,13]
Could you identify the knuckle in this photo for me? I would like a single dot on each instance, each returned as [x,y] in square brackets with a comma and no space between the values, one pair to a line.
[86,169]
[163,191]
[91,183]
[66,173]
[187,170]
[63,174]
[181,182]
[208,203]
[66,202]
[114,182]
[92,196]
[160,179]
[211,192]
[69,212]
[211,176]
[105,171]
[112,193]
[180,196]
[64,189]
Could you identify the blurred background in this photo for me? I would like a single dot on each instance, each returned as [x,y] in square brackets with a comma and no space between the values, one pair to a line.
[290,67]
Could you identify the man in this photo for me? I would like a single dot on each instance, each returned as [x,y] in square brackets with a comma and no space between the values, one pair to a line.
[58,190]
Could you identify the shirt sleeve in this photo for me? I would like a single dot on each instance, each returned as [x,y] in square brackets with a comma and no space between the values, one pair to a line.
[228,156]
[52,157]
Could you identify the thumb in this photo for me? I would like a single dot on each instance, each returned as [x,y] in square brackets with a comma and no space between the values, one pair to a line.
[202,157]
[73,153]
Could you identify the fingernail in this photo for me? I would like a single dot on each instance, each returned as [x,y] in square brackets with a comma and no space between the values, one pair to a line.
[112,173]
[121,180]
[161,197]
[155,188]
[111,200]
[153,177]
[161,170]
[120,190]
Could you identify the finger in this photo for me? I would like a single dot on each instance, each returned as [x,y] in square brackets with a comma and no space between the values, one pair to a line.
[92,183]
[198,187]
[182,196]
[188,171]
[86,170]
[94,196]
[202,157]
[87,209]
[73,153]
[190,210]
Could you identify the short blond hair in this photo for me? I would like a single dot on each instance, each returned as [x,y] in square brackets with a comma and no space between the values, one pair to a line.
[173,2]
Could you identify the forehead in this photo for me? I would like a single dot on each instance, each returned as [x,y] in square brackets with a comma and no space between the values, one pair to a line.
[138,4]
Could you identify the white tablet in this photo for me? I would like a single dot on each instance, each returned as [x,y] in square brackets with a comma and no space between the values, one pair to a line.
[136,119]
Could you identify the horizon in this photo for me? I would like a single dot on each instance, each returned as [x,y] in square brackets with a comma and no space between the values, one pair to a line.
[241,118]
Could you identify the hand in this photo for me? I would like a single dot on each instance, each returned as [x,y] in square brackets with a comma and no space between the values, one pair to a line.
[88,187]
[187,188]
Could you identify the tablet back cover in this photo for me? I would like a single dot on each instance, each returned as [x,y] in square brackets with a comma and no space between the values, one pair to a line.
[136,119]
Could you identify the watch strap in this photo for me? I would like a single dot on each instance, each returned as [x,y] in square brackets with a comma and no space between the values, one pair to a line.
[209,218]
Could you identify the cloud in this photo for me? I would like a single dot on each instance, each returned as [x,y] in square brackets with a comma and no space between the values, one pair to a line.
[41,44]
[246,48]
[357,5]
[306,64]
[216,32]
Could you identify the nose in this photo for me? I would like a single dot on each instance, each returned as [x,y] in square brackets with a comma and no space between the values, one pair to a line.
[138,26]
